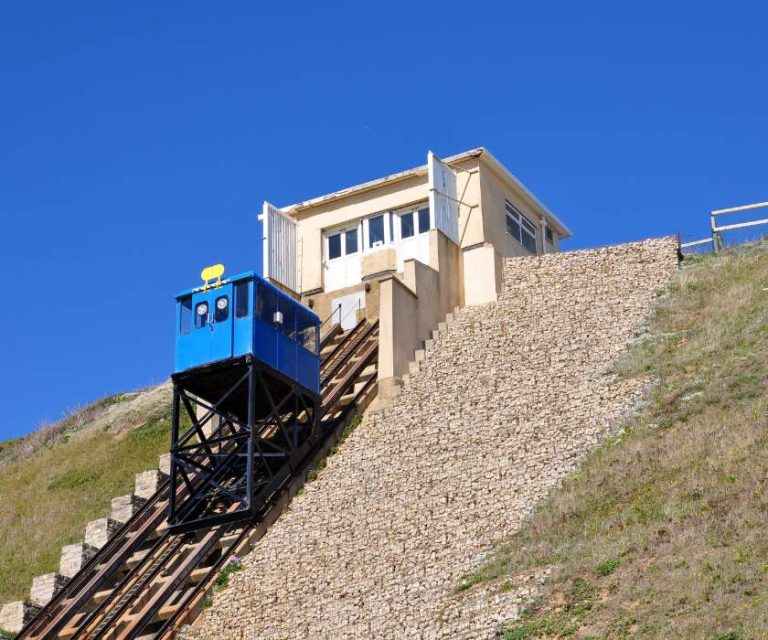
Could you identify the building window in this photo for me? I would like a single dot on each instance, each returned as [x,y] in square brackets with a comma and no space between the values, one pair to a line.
[376,231]
[424,220]
[406,225]
[350,240]
[334,246]
[520,228]
[550,236]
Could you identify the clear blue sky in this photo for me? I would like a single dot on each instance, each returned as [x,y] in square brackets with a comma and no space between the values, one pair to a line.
[138,140]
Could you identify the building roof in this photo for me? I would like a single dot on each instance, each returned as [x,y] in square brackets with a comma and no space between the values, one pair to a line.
[480,152]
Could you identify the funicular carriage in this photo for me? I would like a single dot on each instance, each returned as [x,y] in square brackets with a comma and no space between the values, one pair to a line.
[246,397]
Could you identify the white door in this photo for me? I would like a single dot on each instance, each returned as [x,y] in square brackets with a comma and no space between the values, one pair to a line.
[348,306]
[342,258]
[412,237]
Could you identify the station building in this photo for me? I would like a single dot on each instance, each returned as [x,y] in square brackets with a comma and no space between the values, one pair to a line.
[407,249]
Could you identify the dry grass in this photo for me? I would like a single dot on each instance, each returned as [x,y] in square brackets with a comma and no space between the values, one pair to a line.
[54,481]
[663,533]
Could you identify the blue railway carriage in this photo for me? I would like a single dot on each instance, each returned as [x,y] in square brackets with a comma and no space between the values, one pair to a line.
[246,315]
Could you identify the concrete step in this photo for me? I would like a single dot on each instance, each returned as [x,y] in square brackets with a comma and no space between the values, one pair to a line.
[14,615]
[98,532]
[74,557]
[45,587]
[164,463]
[413,368]
[124,507]
[148,482]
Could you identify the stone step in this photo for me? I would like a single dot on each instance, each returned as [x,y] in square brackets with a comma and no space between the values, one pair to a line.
[419,355]
[14,615]
[45,587]
[98,532]
[148,482]
[413,367]
[164,463]
[124,507]
[74,557]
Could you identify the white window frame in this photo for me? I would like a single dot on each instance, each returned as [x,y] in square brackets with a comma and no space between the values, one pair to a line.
[414,209]
[341,231]
[523,223]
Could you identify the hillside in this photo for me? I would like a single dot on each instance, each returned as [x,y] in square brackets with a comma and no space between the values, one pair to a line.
[662,532]
[55,480]
[505,401]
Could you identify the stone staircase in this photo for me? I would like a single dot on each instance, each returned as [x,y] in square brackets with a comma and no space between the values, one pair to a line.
[14,615]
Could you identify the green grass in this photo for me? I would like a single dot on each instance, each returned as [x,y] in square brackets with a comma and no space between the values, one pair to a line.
[47,498]
[667,519]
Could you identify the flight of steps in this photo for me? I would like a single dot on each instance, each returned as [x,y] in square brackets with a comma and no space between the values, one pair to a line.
[14,615]
[418,356]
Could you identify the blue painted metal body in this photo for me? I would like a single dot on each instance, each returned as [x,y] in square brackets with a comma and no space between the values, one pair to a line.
[244,315]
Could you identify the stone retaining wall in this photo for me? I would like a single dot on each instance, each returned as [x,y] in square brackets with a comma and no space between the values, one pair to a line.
[508,399]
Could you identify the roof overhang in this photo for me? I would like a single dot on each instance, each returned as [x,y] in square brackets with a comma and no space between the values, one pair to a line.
[481,152]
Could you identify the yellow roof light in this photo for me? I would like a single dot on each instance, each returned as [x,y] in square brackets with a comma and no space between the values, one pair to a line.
[214,272]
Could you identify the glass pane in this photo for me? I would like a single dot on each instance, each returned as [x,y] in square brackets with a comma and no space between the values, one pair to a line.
[185,320]
[406,225]
[241,300]
[375,231]
[528,225]
[391,226]
[529,241]
[513,227]
[334,246]
[350,238]
[266,304]
[201,315]
[550,237]
[221,311]
[307,331]
[423,220]
[288,309]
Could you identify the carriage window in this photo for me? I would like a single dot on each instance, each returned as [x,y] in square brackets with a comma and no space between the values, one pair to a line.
[307,331]
[241,300]
[406,225]
[266,304]
[288,310]
[185,318]
[221,312]
[201,315]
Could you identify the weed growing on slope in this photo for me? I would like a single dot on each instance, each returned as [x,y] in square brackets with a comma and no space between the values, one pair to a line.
[669,518]
[48,496]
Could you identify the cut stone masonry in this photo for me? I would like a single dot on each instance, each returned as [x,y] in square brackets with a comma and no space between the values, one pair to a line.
[503,401]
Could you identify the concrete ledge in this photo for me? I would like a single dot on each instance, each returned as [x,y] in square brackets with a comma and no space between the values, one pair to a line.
[123,507]
[148,482]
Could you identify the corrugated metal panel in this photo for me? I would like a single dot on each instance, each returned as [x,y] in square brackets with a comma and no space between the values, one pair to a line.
[443,197]
[279,246]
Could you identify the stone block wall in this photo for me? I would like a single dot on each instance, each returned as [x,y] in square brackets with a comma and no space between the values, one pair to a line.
[507,400]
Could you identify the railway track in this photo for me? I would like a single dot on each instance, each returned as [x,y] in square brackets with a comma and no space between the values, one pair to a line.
[147,582]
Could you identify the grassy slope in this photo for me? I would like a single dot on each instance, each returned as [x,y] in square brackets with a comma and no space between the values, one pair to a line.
[663,532]
[63,480]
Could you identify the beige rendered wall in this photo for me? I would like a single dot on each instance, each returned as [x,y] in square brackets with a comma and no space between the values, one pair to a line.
[409,309]
[312,222]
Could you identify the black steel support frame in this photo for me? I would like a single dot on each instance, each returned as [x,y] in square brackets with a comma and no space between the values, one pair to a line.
[247,461]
